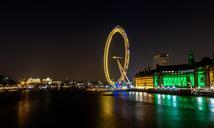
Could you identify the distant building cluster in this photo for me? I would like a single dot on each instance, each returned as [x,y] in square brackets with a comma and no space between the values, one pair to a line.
[49,82]
[35,81]
[190,75]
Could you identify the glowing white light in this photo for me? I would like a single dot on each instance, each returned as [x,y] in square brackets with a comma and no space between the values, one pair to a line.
[174,98]
[159,96]
[212,100]
[163,96]
[199,99]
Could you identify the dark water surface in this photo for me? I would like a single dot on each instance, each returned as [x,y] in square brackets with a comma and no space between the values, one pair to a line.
[123,110]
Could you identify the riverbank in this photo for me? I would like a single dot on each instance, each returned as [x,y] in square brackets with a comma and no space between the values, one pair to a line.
[186,92]
[176,91]
[99,91]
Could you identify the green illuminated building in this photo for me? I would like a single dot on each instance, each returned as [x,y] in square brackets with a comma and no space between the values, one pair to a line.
[190,75]
[193,74]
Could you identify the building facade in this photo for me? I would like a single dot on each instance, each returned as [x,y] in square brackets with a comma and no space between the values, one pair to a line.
[199,74]
[144,79]
[47,81]
[33,81]
[211,75]
[191,75]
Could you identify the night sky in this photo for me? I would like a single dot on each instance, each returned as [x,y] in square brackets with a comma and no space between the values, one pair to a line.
[66,39]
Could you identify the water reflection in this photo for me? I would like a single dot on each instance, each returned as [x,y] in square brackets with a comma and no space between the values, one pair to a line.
[23,110]
[123,110]
[172,110]
[190,102]
[106,115]
[141,96]
[107,105]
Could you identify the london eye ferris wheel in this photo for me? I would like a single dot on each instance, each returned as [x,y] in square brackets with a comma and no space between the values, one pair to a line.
[122,67]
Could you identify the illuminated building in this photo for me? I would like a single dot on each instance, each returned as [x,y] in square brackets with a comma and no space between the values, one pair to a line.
[185,75]
[144,82]
[33,81]
[191,75]
[160,59]
[211,73]
[144,79]
[57,82]
[47,81]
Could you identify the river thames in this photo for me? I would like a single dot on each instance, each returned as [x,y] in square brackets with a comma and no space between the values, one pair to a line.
[67,108]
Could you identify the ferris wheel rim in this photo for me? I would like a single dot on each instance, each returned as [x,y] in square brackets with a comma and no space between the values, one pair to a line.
[121,31]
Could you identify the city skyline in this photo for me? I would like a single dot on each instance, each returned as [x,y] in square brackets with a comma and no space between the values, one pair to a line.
[67,39]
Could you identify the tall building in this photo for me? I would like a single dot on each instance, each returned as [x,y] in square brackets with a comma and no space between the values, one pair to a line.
[161,60]
[191,59]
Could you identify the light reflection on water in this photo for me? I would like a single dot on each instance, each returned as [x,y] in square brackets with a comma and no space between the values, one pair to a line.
[190,102]
[171,110]
[23,110]
[107,113]
[123,110]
